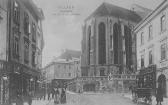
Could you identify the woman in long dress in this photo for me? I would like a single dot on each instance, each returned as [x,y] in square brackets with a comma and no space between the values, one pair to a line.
[57,99]
[159,96]
[63,96]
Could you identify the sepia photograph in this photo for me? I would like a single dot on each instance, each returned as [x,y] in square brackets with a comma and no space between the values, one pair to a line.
[83,52]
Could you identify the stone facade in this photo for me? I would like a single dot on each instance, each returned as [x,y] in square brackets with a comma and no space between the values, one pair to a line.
[108,44]
[21,54]
[65,67]
[152,41]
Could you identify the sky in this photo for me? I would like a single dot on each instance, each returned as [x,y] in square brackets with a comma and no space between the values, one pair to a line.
[62,29]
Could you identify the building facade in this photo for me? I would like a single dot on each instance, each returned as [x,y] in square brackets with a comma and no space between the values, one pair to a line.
[22,39]
[108,43]
[152,44]
[3,43]
[65,67]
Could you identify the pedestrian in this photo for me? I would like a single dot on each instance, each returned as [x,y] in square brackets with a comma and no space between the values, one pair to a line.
[57,97]
[53,92]
[159,96]
[29,98]
[19,100]
[48,92]
[44,93]
[63,96]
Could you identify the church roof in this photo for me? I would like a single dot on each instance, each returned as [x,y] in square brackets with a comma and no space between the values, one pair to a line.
[107,9]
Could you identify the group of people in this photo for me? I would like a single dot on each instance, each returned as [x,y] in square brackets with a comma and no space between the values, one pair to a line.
[159,94]
[20,99]
[58,94]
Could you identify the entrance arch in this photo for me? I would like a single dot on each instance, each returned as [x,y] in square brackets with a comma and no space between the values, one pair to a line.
[162,83]
[89,87]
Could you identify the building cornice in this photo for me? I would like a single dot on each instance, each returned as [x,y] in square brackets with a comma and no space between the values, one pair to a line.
[151,16]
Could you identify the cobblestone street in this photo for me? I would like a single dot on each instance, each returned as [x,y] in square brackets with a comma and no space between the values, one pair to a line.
[96,99]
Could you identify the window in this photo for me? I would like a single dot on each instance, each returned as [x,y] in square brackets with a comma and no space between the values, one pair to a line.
[26,23]
[69,74]
[33,56]
[163,51]
[142,60]
[69,66]
[16,13]
[111,39]
[163,23]
[33,32]
[89,43]
[142,38]
[102,43]
[111,57]
[150,57]
[16,47]
[26,51]
[150,31]
[102,72]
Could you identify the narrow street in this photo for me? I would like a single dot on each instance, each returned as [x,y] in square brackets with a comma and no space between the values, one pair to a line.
[96,99]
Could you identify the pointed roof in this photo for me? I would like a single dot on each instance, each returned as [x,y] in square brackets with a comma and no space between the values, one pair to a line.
[106,9]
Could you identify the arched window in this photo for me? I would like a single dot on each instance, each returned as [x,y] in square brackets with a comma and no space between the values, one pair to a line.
[128,44]
[102,43]
[162,84]
[116,32]
[89,43]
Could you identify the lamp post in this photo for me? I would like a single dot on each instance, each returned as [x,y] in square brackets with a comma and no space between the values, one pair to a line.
[4,98]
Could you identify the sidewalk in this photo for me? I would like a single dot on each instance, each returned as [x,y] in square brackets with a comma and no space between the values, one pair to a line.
[129,96]
[40,102]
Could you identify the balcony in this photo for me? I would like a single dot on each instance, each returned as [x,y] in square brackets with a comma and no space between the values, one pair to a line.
[120,77]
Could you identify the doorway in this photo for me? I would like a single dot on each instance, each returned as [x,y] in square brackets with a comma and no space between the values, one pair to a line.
[162,83]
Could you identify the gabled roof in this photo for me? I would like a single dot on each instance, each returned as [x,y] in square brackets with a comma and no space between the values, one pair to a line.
[107,9]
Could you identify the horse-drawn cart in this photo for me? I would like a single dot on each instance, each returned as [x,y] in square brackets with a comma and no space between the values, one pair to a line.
[145,85]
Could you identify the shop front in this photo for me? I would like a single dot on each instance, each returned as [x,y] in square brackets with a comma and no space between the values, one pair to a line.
[16,79]
[4,82]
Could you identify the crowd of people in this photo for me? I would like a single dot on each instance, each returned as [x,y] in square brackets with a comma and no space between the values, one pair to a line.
[58,94]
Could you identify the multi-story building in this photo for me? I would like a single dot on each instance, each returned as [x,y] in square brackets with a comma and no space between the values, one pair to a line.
[108,43]
[3,43]
[152,44]
[65,67]
[21,47]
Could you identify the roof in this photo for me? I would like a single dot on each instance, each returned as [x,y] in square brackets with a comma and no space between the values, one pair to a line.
[69,54]
[141,11]
[107,9]
[29,4]
[151,15]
